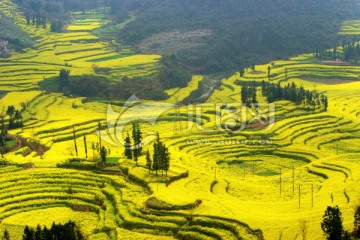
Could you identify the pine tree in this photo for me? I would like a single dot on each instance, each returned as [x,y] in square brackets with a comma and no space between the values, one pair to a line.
[166,160]
[6,235]
[85,146]
[148,161]
[38,233]
[357,222]
[332,223]
[161,151]
[156,155]
[127,146]
[74,136]
[135,155]
[103,154]
[161,156]
[28,233]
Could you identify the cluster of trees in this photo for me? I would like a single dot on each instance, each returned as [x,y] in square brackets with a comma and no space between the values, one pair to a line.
[15,117]
[86,85]
[248,94]
[38,20]
[332,224]
[292,92]
[245,68]
[160,161]
[39,12]
[351,52]
[15,121]
[328,54]
[161,157]
[68,231]
[133,149]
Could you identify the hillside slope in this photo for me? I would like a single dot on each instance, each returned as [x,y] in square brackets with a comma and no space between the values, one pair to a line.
[212,36]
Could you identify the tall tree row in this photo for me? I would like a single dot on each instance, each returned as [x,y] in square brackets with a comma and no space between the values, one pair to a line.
[161,156]
[298,95]
[68,231]
[133,148]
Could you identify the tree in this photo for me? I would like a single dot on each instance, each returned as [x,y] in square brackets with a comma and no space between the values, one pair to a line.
[64,76]
[148,161]
[357,222]
[56,25]
[68,231]
[166,159]
[156,155]
[103,154]
[85,146]
[136,135]
[38,233]
[28,233]
[10,111]
[6,235]
[136,155]
[268,71]
[127,146]
[332,223]
[242,71]
[75,145]
[161,156]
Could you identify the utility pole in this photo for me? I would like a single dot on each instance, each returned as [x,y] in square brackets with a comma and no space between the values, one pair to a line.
[312,195]
[215,172]
[99,129]
[299,194]
[280,182]
[74,136]
[293,176]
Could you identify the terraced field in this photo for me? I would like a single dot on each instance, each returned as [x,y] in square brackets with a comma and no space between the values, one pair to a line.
[102,205]
[265,177]
[77,49]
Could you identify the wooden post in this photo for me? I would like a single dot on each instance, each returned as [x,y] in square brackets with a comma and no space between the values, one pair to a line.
[280,182]
[74,136]
[293,175]
[312,195]
[299,195]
